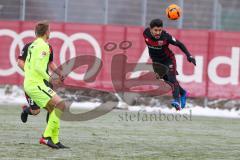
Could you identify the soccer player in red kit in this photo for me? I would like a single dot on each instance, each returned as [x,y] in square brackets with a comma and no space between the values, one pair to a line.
[158,41]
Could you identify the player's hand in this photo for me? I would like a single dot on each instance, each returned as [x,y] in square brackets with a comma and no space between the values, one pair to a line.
[60,75]
[56,80]
[191,60]
[61,78]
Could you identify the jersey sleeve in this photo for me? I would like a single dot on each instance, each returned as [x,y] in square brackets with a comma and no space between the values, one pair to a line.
[42,62]
[24,52]
[51,53]
[172,40]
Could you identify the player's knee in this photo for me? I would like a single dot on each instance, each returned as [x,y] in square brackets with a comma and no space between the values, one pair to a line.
[172,79]
[57,102]
[49,108]
[35,112]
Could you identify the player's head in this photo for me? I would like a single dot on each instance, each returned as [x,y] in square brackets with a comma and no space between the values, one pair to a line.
[156,27]
[42,29]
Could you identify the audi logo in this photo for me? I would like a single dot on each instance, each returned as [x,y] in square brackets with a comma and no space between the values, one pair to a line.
[68,43]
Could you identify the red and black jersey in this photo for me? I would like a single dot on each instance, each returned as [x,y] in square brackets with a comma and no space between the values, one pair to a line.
[24,52]
[158,47]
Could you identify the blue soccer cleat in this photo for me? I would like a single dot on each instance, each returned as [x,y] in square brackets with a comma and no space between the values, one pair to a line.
[175,103]
[183,99]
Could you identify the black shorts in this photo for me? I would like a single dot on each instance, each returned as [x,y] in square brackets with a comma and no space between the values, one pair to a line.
[170,64]
[31,103]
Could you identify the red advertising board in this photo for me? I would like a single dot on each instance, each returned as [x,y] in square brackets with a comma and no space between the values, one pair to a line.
[217,53]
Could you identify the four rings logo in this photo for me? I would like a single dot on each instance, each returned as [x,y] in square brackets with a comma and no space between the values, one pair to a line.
[68,43]
[67,66]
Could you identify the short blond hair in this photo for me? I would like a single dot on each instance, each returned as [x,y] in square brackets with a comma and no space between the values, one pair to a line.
[41,28]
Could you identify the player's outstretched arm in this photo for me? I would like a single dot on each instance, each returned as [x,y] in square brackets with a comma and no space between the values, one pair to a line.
[190,58]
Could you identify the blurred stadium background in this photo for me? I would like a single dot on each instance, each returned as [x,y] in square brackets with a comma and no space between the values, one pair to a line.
[204,14]
[211,18]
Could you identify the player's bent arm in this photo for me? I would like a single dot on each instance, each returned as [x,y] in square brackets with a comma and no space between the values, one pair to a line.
[53,67]
[184,49]
[21,63]
[56,70]
[181,46]
[175,42]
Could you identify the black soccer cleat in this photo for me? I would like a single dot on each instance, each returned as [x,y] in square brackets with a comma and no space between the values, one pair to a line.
[61,146]
[24,115]
[48,142]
